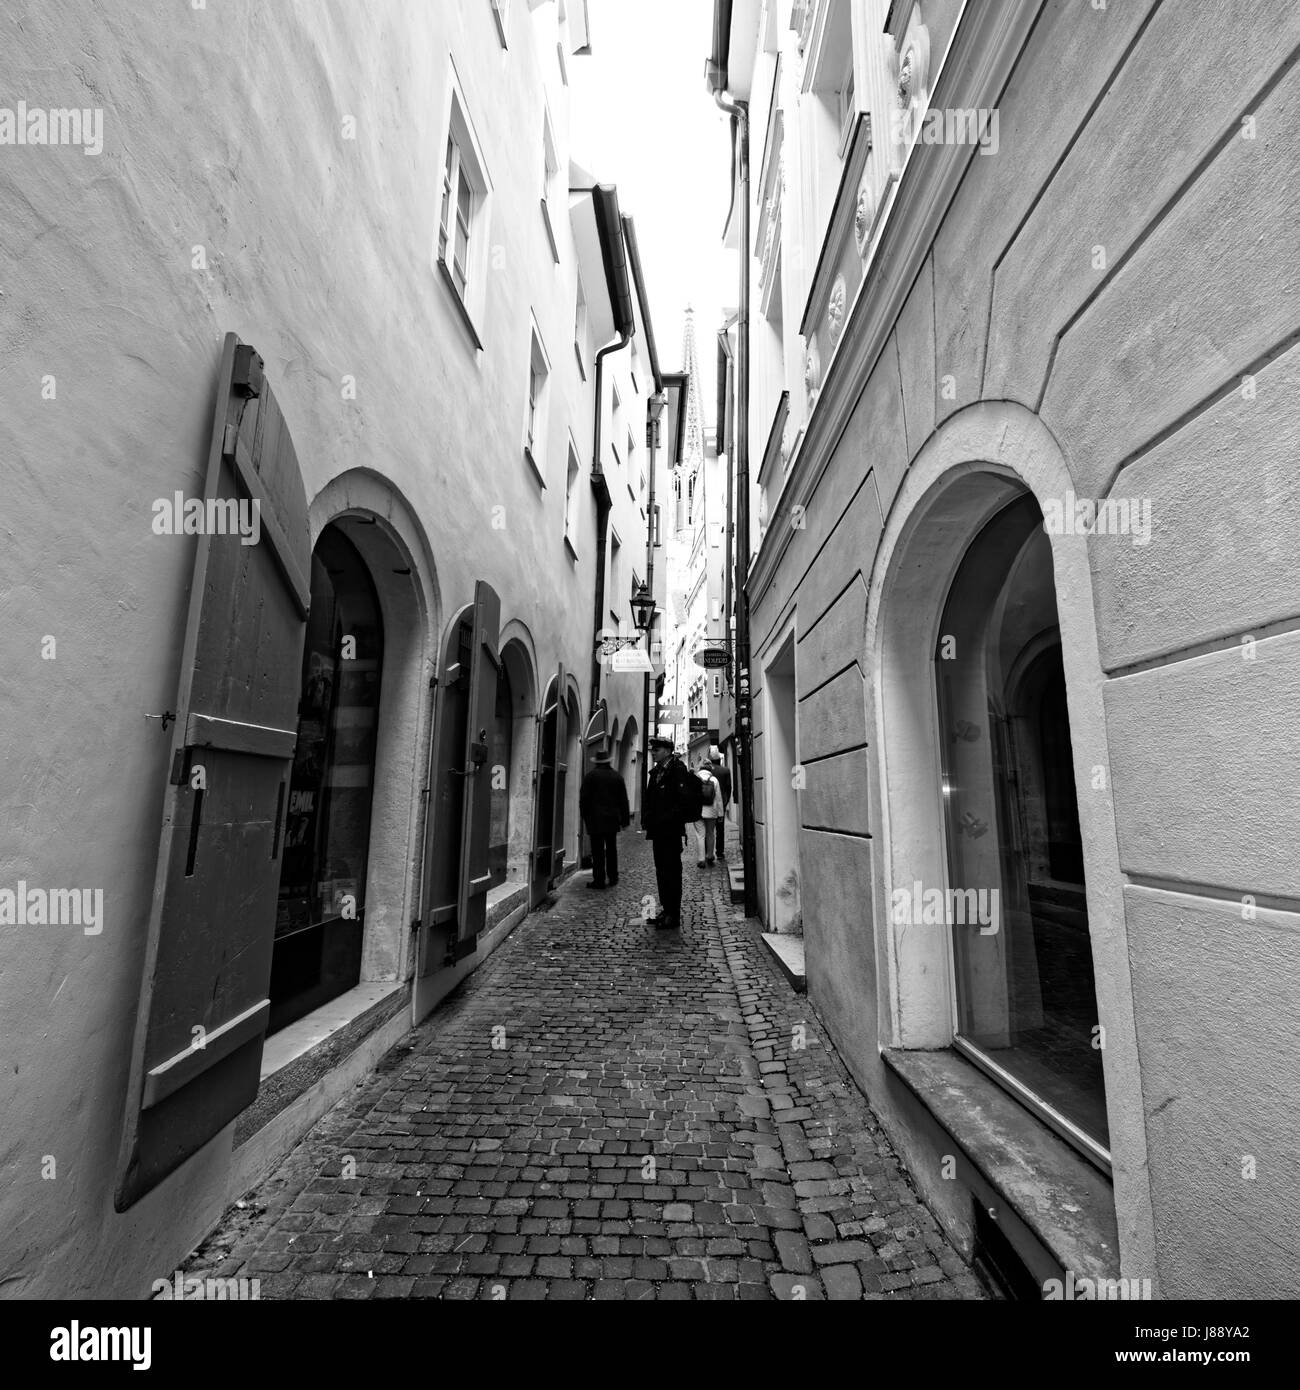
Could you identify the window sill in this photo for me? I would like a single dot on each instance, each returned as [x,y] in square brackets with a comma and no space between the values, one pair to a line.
[533,464]
[466,321]
[1018,1163]
[573,554]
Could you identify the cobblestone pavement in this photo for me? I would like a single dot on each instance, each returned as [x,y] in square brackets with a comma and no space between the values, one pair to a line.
[602,1111]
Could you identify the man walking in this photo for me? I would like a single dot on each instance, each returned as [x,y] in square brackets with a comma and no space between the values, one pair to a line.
[722,777]
[602,803]
[670,801]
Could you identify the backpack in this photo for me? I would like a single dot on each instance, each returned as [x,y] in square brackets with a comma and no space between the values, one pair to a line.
[710,790]
[691,805]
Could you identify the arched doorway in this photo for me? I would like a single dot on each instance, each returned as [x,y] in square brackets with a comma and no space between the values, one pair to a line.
[321,907]
[627,761]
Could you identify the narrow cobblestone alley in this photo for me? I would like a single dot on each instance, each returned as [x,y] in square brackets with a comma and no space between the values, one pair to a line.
[601,1111]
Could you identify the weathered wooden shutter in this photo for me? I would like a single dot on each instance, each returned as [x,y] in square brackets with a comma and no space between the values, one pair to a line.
[439,890]
[456,875]
[203,1001]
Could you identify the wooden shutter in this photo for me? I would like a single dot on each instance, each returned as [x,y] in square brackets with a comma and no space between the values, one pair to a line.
[442,842]
[203,1000]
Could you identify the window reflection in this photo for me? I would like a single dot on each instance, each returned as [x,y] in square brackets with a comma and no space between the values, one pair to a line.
[1026,999]
[317,953]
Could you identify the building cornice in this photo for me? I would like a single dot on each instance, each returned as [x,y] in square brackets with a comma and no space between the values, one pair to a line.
[983,51]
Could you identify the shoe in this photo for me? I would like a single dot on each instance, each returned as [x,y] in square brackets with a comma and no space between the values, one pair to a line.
[708,861]
[666,923]
[595,885]
[700,865]
[613,881]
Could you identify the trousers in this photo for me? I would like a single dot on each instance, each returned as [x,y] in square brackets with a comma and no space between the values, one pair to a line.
[668,871]
[706,836]
[604,856]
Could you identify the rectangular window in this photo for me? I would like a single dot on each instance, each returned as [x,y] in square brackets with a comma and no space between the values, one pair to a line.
[462,222]
[550,174]
[616,580]
[580,330]
[501,13]
[570,493]
[847,105]
[535,412]
[453,233]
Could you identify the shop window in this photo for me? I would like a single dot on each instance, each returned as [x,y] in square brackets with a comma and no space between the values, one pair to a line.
[500,761]
[1025,998]
[321,912]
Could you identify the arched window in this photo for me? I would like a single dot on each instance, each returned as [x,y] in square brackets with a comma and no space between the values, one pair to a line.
[1026,1002]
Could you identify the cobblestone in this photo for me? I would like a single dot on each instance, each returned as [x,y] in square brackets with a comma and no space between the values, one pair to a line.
[601,1111]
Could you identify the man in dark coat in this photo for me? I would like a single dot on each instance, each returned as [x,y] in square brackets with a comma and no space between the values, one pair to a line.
[722,776]
[602,803]
[668,793]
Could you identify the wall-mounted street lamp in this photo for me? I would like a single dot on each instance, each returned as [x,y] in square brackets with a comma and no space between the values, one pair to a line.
[643,613]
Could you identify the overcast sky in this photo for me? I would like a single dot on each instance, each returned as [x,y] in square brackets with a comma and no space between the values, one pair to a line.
[644,120]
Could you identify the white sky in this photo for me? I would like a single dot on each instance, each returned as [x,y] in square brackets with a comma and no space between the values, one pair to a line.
[642,118]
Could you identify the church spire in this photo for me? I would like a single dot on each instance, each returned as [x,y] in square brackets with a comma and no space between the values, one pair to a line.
[693,452]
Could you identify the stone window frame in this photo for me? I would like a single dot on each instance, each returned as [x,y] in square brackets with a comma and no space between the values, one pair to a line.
[970,467]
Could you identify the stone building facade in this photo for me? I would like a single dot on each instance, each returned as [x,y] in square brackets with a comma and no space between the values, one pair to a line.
[1023,421]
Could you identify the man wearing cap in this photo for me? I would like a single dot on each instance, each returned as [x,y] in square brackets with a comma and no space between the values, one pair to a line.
[722,777]
[668,792]
[602,803]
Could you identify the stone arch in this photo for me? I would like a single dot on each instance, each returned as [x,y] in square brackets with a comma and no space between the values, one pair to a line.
[626,754]
[372,513]
[973,465]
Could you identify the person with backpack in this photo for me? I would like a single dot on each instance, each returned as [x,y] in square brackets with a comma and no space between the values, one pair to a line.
[722,776]
[707,826]
[672,799]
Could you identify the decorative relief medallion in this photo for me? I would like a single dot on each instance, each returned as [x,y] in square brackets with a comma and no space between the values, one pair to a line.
[835,311]
[864,216]
[812,371]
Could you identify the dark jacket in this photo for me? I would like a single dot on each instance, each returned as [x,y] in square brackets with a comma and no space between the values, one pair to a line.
[667,790]
[602,801]
[723,779]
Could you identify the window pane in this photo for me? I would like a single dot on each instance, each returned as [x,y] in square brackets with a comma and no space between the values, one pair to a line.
[1025,993]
